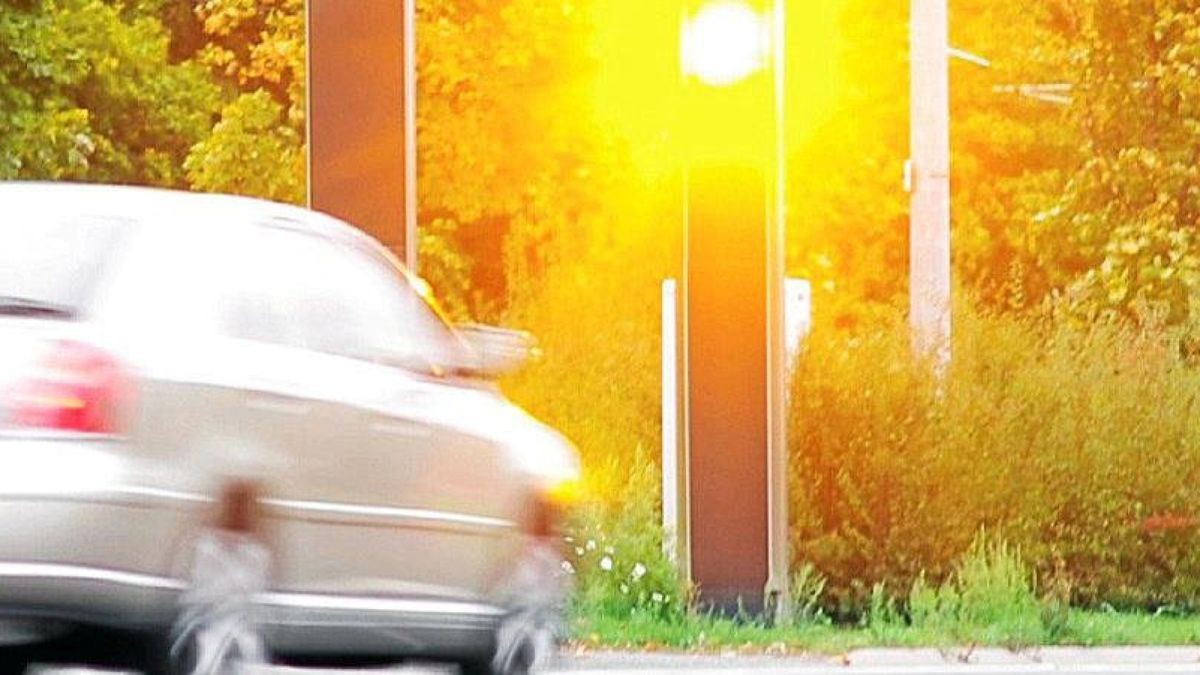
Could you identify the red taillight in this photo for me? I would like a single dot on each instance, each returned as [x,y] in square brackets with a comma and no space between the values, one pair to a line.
[73,387]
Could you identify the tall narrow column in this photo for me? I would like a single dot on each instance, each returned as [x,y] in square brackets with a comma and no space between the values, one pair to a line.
[929,243]
[728,418]
[732,299]
[360,117]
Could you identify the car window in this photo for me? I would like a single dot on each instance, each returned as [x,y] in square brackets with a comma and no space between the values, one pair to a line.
[299,289]
[283,287]
[167,279]
[54,261]
[411,333]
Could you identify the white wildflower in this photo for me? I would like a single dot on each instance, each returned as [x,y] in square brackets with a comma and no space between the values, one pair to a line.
[606,564]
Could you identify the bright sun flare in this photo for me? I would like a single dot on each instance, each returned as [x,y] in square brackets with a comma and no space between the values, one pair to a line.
[637,49]
[725,42]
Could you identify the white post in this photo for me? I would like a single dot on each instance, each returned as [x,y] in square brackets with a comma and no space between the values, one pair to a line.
[797,314]
[670,417]
[797,319]
[929,247]
[412,243]
[778,587]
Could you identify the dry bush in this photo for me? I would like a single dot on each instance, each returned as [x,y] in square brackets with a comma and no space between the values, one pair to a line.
[1079,445]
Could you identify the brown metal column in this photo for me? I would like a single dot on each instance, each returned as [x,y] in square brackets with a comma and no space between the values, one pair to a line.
[727,427]
[732,373]
[357,140]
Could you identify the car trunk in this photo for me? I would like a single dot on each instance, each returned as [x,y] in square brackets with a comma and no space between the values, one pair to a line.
[50,266]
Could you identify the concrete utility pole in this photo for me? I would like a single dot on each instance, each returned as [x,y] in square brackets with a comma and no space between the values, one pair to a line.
[929,243]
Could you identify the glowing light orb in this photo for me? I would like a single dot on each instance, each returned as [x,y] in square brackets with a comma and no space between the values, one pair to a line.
[725,42]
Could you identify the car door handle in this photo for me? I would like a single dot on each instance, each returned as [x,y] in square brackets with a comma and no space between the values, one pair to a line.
[277,404]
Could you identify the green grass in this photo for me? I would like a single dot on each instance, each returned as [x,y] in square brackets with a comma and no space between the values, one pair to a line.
[1095,628]
[703,633]
[706,633]
[990,600]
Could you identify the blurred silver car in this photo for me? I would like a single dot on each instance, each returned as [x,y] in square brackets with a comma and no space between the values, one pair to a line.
[228,425]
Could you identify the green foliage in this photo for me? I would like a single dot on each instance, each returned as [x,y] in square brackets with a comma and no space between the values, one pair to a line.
[258,45]
[848,212]
[932,607]
[807,590]
[615,553]
[1131,208]
[250,152]
[1088,191]
[1078,445]
[514,177]
[995,591]
[882,618]
[989,598]
[256,49]
[89,92]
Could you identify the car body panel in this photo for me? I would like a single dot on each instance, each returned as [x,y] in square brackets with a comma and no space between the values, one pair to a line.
[396,501]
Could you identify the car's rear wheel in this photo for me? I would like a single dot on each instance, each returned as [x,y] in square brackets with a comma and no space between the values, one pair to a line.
[14,660]
[216,630]
[80,646]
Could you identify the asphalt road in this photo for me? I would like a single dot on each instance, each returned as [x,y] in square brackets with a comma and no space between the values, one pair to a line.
[1107,661]
[903,662]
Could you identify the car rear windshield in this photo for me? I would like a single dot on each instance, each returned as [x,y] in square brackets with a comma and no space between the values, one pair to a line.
[49,265]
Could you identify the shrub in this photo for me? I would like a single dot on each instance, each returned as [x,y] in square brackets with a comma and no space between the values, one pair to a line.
[883,619]
[597,323]
[995,596]
[989,598]
[1079,444]
[807,590]
[994,588]
[615,555]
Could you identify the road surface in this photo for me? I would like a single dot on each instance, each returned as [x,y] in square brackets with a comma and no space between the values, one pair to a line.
[1077,661]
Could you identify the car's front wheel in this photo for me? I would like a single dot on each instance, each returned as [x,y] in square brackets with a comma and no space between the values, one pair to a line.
[527,637]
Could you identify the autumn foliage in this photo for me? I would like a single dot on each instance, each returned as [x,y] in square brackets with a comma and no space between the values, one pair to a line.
[1078,445]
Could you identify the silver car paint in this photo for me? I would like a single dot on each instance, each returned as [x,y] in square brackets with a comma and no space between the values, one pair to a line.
[393,497]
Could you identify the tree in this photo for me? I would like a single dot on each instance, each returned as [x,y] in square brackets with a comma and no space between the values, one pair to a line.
[89,91]
[1131,208]
[257,49]
[251,152]
[510,169]
[848,222]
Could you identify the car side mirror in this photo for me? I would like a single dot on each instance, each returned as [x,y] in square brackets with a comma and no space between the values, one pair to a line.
[496,352]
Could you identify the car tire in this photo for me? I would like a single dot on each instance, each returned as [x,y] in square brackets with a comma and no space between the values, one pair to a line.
[521,663]
[525,642]
[205,638]
[14,660]
[216,630]
[527,638]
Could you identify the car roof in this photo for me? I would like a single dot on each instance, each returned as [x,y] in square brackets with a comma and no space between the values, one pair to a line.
[138,202]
